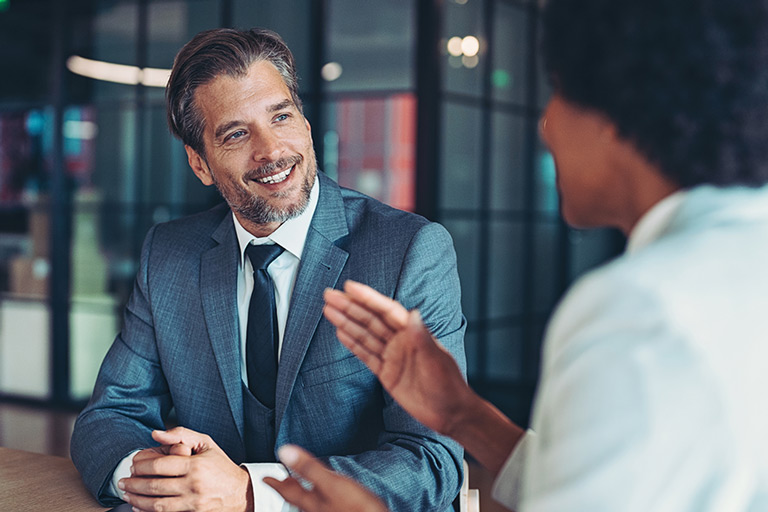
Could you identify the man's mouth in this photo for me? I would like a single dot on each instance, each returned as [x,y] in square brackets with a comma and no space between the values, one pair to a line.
[276,178]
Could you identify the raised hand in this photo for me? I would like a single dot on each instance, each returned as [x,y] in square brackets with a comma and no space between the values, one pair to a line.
[412,366]
[188,472]
[329,492]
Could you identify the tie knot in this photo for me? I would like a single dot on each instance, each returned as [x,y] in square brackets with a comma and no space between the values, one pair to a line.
[262,255]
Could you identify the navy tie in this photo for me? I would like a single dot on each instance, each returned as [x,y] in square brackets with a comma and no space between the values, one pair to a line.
[262,336]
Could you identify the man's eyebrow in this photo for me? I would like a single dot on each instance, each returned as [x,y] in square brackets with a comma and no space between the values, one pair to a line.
[221,130]
[280,106]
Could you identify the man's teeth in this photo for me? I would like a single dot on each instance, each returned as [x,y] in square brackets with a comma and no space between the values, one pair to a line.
[276,178]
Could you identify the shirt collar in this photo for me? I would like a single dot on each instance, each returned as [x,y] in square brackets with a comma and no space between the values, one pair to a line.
[653,223]
[291,235]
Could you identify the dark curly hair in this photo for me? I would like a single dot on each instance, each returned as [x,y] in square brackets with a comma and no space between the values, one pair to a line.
[216,52]
[686,81]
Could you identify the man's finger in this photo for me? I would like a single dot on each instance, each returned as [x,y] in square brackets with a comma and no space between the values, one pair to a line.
[168,465]
[140,502]
[179,435]
[152,486]
[180,450]
[149,453]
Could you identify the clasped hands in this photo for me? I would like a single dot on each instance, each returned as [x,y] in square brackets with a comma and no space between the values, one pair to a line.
[187,472]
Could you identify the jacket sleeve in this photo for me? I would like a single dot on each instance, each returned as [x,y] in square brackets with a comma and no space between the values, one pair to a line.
[414,468]
[130,398]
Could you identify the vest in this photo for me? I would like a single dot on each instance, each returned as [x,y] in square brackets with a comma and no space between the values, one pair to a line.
[259,429]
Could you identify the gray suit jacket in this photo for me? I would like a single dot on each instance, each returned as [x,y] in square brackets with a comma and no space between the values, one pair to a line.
[179,348]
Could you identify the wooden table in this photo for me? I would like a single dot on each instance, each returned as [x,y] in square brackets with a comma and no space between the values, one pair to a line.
[35,482]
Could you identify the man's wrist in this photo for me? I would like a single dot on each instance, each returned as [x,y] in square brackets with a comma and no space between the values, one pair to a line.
[122,470]
[258,492]
[249,507]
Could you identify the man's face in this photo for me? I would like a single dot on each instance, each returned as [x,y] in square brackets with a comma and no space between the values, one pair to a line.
[258,147]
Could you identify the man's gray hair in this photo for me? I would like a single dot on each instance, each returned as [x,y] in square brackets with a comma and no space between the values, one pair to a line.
[216,52]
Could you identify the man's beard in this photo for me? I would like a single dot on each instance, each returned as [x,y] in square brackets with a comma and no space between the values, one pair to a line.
[257,209]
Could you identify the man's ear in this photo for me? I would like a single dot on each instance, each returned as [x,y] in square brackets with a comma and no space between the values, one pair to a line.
[199,166]
[309,129]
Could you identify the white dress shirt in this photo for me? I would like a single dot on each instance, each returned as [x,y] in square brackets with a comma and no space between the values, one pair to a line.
[653,371]
[291,236]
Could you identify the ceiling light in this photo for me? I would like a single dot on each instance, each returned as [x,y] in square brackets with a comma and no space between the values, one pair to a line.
[331,71]
[454,46]
[118,73]
[470,46]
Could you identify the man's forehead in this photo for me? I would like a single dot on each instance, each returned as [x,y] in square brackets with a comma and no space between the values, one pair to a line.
[253,93]
[222,112]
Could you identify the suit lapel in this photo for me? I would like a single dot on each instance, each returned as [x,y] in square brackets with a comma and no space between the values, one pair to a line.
[320,268]
[218,278]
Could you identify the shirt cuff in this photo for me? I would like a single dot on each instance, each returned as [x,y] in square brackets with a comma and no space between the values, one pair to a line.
[123,470]
[506,487]
[265,498]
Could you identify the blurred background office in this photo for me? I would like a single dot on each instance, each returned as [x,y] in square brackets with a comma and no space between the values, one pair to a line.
[428,105]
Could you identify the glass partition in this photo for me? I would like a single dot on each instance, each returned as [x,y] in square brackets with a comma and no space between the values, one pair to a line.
[473,158]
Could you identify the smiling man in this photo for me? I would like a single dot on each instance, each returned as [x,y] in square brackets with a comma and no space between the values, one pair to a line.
[225,321]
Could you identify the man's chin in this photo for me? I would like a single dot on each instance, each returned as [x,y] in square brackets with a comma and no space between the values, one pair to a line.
[269,214]
[278,207]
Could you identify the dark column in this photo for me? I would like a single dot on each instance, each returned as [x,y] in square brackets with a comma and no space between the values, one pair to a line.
[429,98]
[61,218]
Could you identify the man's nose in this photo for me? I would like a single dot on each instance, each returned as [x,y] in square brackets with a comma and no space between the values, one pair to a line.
[267,146]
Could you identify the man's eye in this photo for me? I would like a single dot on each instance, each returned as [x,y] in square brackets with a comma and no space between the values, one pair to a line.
[236,135]
[281,117]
